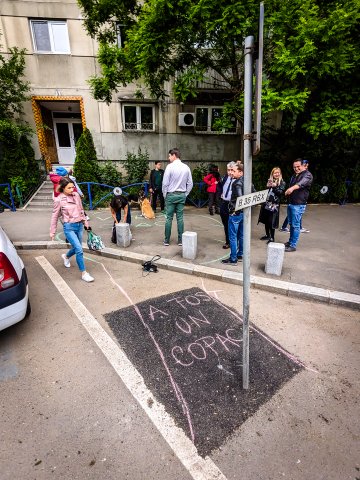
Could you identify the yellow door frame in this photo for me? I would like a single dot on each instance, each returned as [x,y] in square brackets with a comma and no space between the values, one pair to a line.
[35,99]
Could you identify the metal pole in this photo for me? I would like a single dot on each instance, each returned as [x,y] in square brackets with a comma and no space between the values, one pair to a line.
[248,77]
[258,84]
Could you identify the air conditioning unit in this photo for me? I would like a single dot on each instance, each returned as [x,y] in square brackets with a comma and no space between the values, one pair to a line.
[186,119]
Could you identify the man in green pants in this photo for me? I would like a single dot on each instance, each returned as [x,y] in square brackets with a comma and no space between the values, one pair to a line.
[176,186]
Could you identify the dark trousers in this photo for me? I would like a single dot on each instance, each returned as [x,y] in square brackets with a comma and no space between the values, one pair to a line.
[224,215]
[214,202]
[270,232]
[155,194]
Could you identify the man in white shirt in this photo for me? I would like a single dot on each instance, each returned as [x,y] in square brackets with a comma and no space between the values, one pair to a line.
[176,186]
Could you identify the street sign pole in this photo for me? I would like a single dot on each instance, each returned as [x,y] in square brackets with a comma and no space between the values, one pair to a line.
[248,77]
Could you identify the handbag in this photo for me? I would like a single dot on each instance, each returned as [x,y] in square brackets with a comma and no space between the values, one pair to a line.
[271,207]
[270,203]
[94,241]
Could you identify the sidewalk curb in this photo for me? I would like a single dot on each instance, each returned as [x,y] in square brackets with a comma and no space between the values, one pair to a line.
[269,284]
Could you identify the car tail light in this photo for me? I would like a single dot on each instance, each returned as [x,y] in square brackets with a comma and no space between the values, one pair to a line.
[8,275]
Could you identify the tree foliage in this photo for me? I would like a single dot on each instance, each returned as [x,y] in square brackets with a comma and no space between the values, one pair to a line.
[86,167]
[17,160]
[311,64]
[14,90]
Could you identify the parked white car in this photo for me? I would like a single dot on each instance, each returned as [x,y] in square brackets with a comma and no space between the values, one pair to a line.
[14,289]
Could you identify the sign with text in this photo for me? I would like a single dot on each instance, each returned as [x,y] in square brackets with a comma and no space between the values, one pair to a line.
[251,199]
[188,348]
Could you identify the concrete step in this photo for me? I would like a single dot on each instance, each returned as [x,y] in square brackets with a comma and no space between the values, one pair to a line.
[41,196]
[34,202]
[39,209]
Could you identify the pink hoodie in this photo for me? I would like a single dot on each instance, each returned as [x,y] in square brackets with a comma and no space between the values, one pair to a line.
[70,208]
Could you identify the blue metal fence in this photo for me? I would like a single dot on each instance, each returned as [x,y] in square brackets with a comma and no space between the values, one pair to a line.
[12,206]
[197,202]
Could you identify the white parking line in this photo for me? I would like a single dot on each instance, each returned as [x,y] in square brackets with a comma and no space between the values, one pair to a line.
[199,468]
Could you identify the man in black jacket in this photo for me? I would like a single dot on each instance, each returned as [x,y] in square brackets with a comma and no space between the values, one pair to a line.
[156,179]
[297,194]
[236,218]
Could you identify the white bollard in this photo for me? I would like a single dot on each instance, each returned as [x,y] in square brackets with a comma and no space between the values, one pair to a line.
[123,236]
[275,258]
[189,245]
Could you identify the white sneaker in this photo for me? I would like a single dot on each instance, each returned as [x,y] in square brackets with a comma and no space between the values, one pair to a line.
[87,277]
[66,260]
[304,230]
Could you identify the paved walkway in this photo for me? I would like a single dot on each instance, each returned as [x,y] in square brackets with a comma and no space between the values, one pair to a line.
[328,258]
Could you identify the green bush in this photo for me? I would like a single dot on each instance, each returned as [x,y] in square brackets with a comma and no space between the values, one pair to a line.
[17,161]
[110,175]
[136,166]
[86,166]
[197,192]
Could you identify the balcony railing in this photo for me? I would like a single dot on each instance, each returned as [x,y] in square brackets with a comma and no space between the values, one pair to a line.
[138,127]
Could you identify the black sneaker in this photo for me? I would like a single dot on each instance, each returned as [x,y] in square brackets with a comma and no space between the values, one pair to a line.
[239,258]
[228,261]
[270,240]
[166,244]
[287,244]
[265,237]
[290,249]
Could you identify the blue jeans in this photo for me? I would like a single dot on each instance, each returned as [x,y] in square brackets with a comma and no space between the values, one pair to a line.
[236,225]
[295,213]
[74,233]
[286,223]
[128,218]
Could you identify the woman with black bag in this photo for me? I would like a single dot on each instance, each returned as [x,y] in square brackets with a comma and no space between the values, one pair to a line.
[269,212]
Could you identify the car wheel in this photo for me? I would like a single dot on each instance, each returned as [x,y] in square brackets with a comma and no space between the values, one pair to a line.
[28,309]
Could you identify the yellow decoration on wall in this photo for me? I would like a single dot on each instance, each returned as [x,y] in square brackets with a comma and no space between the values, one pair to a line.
[40,125]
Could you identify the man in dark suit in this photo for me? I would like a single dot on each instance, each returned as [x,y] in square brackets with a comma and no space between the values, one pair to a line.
[156,179]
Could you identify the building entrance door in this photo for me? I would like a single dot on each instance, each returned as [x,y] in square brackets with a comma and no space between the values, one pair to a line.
[67,133]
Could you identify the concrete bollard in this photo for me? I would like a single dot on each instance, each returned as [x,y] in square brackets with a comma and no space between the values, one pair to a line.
[189,245]
[275,258]
[123,236]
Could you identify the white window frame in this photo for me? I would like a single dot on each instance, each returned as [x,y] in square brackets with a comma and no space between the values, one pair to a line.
[120,35]
[50,24]
[209,122]
[136,126]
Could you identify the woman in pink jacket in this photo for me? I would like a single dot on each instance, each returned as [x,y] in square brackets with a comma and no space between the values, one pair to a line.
[68,205]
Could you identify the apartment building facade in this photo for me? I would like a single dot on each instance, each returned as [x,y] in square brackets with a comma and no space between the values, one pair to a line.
[61,57]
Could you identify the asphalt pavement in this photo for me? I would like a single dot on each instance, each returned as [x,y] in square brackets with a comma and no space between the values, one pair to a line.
[327,258]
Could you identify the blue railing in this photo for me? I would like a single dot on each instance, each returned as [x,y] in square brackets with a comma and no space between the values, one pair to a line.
[12,206]
[93,205]
[198,202]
